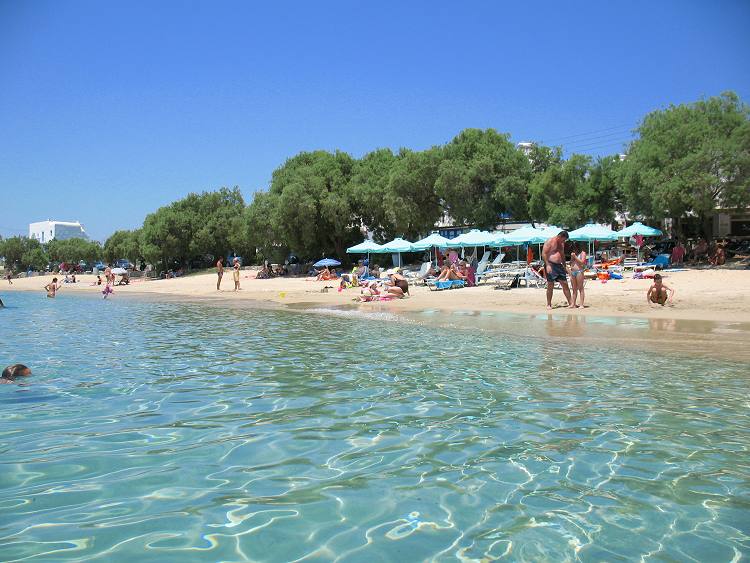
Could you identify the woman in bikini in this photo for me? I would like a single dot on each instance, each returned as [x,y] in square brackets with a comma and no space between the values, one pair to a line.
[52,287]
[577,267]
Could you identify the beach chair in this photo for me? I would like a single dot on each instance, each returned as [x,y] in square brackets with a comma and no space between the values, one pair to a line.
[531,278]
[421,274]
[435,285]
[662,260]
[507,283]
[629,264]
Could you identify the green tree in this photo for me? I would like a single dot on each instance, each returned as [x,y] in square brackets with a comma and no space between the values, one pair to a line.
[690,159]
[541,158]
[73,250]
[482,175]
[314,212]
[123,244]
[371,176]
[262,228]
[198,227]
[22,252]
[575,191]
[411,204]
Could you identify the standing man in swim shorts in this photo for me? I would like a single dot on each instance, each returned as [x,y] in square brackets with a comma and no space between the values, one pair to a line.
[219,273]
[553,254]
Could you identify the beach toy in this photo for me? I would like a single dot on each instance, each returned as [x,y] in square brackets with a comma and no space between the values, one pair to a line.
[615,276]
[604,276]
[282,294]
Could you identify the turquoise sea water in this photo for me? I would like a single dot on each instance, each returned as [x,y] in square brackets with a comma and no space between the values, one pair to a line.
[179,432]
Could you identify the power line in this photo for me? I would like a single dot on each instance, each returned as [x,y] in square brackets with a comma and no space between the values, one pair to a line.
[622,127]
[594,139]
[595,147]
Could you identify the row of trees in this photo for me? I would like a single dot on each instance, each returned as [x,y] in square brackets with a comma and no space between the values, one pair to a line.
[686,162]
[21,253]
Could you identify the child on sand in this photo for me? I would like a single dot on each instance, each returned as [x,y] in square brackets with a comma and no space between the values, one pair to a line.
[657,293]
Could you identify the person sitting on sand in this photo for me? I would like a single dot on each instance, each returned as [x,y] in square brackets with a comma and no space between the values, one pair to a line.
[397,281]
[657,293]
[52,287]
[11,372]
[324,275]
[700,250]
[718,256]
[678,253]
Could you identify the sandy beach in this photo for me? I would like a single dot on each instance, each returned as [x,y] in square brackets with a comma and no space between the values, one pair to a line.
[720,295]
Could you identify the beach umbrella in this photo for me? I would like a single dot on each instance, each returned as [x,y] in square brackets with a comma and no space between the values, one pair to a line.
[474,237]
[592,233]
[325,262]
[526,234]
[638,228]
[551,231]
[523,235]
[396,246]
[435,240]
[365,247]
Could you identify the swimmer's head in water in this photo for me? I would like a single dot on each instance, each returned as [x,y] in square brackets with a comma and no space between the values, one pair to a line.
[16,370]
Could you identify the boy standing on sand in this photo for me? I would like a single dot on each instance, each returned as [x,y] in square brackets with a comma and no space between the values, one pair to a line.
[219,273]
[657,293]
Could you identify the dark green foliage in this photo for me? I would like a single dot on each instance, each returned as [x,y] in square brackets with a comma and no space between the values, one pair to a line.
[690,159]
[123,244]
[21,253]
[200,227]
[74,250]
[482,175]
[573,192]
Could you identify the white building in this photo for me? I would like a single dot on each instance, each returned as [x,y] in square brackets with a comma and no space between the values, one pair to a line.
[525,147]
[45,231]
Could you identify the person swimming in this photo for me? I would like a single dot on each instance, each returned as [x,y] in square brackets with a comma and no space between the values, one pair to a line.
[11,372]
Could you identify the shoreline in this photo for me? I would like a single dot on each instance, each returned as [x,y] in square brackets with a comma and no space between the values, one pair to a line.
[701,295]
[616,318]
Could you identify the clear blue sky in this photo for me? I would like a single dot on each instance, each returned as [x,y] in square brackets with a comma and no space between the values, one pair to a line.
[110,110]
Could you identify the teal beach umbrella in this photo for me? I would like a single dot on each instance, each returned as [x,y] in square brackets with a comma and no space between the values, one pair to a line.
[396,246]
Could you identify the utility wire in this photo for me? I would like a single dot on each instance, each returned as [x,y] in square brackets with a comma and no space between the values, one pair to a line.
[596,147]
[600,138]
[555,139]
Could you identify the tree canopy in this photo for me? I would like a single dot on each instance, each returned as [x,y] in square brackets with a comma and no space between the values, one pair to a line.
[687,161]
[690,159]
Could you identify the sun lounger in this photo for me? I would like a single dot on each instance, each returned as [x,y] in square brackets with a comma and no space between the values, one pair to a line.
[507,283]
[420,275]
[435,285]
